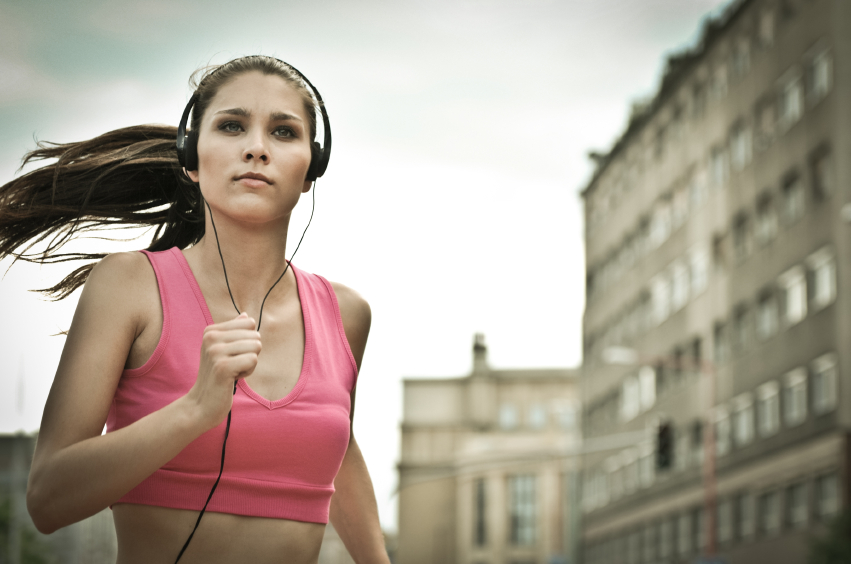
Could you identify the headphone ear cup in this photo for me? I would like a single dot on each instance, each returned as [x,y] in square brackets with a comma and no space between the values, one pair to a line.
[190,151]
[315,158]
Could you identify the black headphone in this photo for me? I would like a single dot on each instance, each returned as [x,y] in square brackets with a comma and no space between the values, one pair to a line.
[187,143]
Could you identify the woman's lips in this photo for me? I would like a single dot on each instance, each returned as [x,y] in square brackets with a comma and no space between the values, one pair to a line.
[253,180]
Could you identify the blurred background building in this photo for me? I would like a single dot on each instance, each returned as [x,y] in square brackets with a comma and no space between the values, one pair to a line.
[91,541]
[718,312]
[486,472]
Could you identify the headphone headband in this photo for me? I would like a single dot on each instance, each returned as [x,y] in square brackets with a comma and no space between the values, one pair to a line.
[187,143]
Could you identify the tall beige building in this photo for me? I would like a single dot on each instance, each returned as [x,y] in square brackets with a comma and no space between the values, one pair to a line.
[484,476]
[718,252]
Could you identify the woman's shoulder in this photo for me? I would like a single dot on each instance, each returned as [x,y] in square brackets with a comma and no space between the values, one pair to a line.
[357,318]
[124,270]
[123,282]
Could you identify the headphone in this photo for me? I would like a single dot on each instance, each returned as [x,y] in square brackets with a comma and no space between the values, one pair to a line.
[187,143]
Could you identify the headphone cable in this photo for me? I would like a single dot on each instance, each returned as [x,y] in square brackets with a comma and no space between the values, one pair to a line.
[259,321]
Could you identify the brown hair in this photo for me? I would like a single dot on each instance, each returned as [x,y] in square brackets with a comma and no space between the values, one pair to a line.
[126,178]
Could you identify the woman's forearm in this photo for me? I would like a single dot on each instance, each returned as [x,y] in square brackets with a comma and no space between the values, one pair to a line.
[354,512]
[74,482]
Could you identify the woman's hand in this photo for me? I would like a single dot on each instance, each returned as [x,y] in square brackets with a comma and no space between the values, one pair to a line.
[229,352]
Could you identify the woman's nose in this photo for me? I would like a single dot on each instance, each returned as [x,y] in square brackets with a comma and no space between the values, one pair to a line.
[256,150]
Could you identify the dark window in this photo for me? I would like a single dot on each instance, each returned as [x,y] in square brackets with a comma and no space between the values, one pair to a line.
[481,536]
[522,509]
[821,167]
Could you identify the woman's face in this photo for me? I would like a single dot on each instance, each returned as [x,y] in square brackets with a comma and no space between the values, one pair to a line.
[254,149]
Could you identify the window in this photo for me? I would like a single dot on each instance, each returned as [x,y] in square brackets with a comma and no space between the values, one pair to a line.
[679,208]
[743,427]
[537,416]
[630,401]
[699,529]
[684,534]
[480,535]
[768,409]
[821,168]
[666,543]
[679,285]
[719,81]
[647,387]
[819,77]
[742,240]
[697,188]
[824,384]
[697,442]
[827,496]
[822,268]
[796,504]
[522,509]
[744,514]
[793,285]
[508,416]
[741,329]
[719,166]
[682,449]
[795,397]
[722,431]
[699,270]
[648,543]
[741,146]
[741,59]
[769,513]
[791,102]
[765,28]
[766,221]
[722,343]
[793,199]
[660,288]
[725,521]
[660,226]
[767,316]
[566,415]
[766,115]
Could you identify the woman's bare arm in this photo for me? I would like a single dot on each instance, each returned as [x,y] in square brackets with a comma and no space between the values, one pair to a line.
[76,471]
[354,512]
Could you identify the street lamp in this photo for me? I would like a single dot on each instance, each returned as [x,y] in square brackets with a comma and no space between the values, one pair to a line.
[625,356]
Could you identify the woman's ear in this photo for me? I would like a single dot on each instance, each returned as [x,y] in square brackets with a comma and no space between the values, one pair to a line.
[192,174]
[306,188]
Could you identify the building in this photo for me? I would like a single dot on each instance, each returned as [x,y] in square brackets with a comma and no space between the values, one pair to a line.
[91,541]
[718,253]
[486,466]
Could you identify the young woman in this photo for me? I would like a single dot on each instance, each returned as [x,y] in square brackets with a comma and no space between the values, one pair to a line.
[193,342]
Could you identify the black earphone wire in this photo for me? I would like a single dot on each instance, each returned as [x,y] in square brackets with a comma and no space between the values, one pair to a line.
[259,321]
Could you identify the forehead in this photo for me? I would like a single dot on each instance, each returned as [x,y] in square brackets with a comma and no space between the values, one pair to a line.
[261,94]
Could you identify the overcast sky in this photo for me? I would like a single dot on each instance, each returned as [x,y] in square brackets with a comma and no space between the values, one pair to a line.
[461,129]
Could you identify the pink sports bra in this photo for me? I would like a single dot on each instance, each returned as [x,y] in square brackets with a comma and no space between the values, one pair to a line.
[283,455]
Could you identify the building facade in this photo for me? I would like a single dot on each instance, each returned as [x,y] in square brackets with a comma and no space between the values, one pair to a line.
[486,466]
[91,541]
[718,252]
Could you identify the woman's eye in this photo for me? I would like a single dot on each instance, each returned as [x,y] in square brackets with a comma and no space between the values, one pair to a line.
[230,127]
[284,131]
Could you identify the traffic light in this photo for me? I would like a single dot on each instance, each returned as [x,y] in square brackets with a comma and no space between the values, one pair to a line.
[664,446]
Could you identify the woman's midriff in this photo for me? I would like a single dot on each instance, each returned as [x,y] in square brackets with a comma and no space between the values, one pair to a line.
[149,534]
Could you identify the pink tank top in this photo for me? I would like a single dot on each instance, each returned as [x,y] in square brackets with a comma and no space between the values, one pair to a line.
[283,455]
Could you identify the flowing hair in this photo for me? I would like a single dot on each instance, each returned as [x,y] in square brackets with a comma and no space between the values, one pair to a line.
[126,178]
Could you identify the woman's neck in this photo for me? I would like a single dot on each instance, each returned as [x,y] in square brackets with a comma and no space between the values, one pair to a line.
[253,257]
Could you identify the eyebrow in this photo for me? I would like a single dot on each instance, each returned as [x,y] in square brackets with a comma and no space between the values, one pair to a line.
[242,112]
